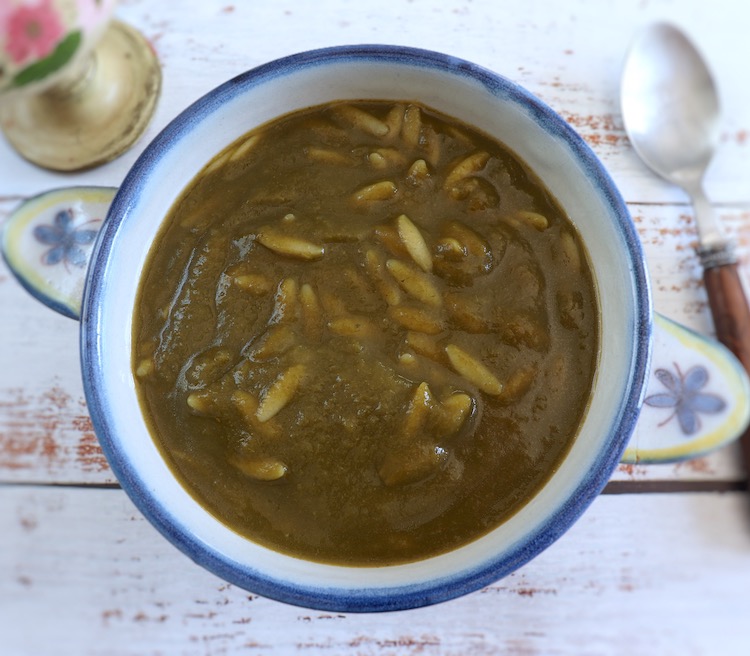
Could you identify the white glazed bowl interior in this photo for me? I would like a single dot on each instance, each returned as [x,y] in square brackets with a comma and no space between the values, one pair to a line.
[457,88]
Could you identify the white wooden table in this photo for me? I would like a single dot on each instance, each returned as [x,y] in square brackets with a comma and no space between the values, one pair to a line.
[660,564]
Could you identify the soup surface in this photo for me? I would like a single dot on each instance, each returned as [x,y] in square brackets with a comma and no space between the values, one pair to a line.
[367,334]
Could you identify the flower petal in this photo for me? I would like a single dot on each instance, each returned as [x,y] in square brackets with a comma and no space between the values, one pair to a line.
[662,400]
[75,256]
[48,235]
[53,256]
[83,236]
[689,422]
[696,378]
[63,219]
[669,381]
[710,403]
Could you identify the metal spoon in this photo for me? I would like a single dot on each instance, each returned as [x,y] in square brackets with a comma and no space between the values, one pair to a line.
[670,108]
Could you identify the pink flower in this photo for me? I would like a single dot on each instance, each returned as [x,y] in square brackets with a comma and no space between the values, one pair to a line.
[33,31]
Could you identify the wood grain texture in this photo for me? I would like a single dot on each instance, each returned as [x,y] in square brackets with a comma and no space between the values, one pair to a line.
[82,573]
[45,432]
[569,55]
[621,581]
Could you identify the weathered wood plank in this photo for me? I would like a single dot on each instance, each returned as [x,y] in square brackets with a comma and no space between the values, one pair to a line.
[570,56]
[46,435]
[102,581]
[82,573]
[40,441]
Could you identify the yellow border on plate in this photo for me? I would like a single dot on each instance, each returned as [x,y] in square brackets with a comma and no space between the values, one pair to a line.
[18,224]
[730,368]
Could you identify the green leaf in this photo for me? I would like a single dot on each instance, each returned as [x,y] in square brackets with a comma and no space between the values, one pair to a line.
[61,55]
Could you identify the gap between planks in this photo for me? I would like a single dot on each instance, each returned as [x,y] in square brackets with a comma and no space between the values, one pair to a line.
[613,487]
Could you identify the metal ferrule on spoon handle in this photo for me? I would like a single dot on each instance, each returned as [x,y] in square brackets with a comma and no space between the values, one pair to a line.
[715,248]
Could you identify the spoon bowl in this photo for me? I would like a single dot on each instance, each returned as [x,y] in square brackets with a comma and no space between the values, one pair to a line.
[671,105]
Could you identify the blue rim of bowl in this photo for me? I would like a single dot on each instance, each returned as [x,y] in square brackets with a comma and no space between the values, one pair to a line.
[365,599]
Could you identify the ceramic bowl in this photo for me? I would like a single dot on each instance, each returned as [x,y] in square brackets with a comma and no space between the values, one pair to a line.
[475,96]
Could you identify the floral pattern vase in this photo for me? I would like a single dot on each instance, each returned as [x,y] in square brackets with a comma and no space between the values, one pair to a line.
[63,62]
[38,38]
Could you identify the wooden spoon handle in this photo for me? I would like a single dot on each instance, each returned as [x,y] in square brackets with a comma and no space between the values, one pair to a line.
[731,316]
